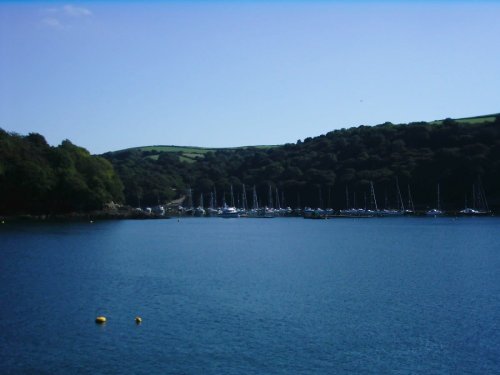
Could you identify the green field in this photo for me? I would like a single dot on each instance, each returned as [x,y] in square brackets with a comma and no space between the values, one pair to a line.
[471,120]
[189,154]
[182,149]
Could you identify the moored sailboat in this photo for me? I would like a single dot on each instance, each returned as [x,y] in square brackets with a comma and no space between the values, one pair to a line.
[229,212]
[200,211]
[479,202]
[436,211]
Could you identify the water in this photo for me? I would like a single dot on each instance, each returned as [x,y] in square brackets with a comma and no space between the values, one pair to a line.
[252,296]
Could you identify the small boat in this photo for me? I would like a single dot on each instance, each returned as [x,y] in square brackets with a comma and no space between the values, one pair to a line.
[308,212]
[469,212]
[318,213]
[213,212]
[229,212]
[410,210]
[267,212]
[479,203]
[199,211]
[436,211]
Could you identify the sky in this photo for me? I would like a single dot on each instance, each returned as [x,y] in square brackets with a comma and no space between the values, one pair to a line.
[112,75]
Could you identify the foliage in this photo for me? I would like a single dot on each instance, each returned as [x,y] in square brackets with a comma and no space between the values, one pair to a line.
[38,178]
[317,171]
[334,169]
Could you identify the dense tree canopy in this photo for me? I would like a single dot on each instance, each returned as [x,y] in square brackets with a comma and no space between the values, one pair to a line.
[335,170]
[318,171]
[38,178]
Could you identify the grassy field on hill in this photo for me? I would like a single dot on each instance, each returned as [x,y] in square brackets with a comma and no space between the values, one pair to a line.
[189,154]
[470,120]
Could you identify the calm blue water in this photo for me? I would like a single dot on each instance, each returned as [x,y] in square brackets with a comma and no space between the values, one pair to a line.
[252,296]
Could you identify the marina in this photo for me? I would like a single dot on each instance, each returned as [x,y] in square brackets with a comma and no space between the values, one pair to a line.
[273,209]
[292,187]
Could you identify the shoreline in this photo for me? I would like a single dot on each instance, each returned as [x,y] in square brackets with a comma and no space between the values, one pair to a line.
[81,216]
[138,215]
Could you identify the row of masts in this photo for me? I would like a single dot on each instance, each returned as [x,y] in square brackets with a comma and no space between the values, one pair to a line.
[478,198]
[276,199]
[371,202]
[273,199]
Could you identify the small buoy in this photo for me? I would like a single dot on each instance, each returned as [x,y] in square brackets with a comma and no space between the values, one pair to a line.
[3,222]
[91,221]
[100,320]
[138,320]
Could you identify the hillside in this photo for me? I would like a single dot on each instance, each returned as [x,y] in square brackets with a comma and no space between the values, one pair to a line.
[317,171]
[471,120]
[36,178]
[187,154]
[460,155]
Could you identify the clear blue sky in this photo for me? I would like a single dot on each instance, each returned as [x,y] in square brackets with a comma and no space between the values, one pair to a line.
[111,75]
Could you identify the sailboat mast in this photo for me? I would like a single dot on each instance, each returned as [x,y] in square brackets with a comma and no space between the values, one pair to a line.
[400,197]
[374,198]
[244,196]
[232,195]
[410,200]
[346,197]
[255,203]
[190,198]
[439,201]
[270,197]
[473,196]
[482,196]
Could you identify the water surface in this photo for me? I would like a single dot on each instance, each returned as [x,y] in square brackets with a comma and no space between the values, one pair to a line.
[252,296]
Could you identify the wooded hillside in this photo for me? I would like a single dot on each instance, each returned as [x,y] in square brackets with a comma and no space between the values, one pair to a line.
[332,170]
[36,178]
[317,171]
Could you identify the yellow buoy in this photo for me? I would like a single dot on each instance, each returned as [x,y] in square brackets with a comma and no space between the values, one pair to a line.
[138,320]
[100,320]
